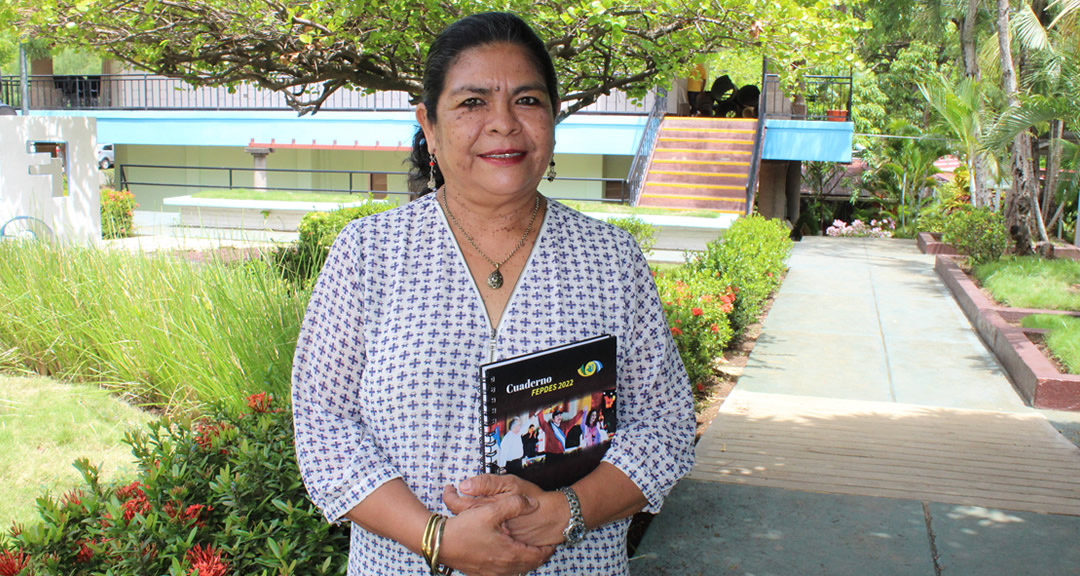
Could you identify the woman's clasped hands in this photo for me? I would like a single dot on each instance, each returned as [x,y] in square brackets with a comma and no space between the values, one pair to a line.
[502,525]
[496,530]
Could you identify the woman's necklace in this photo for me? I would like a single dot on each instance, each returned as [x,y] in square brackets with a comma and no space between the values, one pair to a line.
[495,279]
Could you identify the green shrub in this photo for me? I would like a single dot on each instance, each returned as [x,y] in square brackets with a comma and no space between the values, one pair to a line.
[223,496]
[302,261]
[117,213]
[641,230]
[158,328]
[951,196]
[978,233]
[697,308]
[749,257]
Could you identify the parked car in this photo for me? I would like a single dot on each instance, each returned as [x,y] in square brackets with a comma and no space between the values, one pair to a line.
[105,156]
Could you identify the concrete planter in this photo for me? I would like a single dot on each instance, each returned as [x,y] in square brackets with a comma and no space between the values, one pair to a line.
[247,214]
[930,243]
[1032,374]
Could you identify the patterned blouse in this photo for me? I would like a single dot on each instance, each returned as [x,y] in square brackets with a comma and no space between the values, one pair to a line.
[386,380]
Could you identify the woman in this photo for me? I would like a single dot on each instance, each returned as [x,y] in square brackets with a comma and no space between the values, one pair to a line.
[411,302]
[592,430]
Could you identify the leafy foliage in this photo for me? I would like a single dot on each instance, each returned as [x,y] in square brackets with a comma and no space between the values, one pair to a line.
[222,495]
[749,257]
[979,233]
[641,230]
[301,262]
[309,50]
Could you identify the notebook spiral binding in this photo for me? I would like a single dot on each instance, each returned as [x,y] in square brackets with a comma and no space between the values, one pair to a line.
[490,449]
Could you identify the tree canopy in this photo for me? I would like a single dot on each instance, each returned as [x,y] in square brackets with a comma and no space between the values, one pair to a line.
[309,49]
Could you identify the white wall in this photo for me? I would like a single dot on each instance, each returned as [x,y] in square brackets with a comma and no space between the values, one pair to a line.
[32,184]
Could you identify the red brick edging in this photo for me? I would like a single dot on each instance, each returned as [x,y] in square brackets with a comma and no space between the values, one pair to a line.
[1035,377]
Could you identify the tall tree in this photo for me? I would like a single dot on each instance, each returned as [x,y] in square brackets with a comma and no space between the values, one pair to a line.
[309,49]
[1022,214]
[1053,80]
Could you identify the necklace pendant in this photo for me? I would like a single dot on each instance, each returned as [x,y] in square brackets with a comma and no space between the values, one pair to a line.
[495,279]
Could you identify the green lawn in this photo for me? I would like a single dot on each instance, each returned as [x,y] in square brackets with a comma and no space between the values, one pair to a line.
[1063,339]
[1032,282]
[280,196]
[45,426]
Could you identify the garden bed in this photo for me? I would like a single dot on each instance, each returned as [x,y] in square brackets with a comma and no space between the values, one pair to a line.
[1034,375]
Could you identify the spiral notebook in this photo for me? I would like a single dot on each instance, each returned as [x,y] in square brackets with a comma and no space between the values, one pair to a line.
[549,416]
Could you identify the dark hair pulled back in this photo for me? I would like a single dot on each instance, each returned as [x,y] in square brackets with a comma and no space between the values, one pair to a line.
[470,32]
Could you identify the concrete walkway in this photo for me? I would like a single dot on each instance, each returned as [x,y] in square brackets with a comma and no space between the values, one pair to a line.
[871,434]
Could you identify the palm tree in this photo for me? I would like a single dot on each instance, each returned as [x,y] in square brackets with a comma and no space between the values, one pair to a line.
[959,109]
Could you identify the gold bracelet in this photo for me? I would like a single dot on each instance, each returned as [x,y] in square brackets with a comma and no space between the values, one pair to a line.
[436,569]
[429,534]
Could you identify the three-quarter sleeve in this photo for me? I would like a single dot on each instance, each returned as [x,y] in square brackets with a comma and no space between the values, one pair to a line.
[340,460]
[653,445]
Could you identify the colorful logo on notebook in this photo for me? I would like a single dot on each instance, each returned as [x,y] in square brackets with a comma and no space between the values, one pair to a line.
[589,368]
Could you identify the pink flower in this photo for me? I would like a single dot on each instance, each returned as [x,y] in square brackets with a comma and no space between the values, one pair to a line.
[675,331]
[697,311]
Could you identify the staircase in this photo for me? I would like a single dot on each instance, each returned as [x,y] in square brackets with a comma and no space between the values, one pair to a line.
[700,164]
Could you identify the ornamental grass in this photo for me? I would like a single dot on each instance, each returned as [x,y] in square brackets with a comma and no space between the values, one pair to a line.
[159,329]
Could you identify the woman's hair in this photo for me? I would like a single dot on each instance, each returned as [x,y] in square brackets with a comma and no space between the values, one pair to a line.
[470,32]
[590,420]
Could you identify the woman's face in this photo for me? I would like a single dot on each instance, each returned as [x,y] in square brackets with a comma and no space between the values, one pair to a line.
[593,417]
[495,130]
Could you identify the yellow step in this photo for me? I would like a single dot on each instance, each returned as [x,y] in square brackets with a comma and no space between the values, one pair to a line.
[710,140]
[705,119]
[702,198]
[680,173]
[705,162]
[718,210]
[695,151]
[709,186]
[727,130]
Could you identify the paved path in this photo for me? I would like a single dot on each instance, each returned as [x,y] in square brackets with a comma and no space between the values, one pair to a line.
[871,433]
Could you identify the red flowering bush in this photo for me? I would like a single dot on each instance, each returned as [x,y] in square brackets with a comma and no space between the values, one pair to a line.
[697,308]
[216,497]
[117,213]
[12,562]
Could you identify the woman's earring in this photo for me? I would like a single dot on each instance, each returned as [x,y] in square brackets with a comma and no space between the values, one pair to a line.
[431,174]
[551,171]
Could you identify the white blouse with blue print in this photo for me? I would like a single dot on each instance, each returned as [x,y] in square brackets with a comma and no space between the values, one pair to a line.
[386,380]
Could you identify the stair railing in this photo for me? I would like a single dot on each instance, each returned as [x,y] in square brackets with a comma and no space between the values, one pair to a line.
[635,178]
[759,139]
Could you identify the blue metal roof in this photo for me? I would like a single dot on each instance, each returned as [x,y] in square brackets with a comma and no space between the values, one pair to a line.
[578,134]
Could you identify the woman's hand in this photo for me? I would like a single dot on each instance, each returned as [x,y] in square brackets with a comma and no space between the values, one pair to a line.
[486,488]
[477,543]
[542,526]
